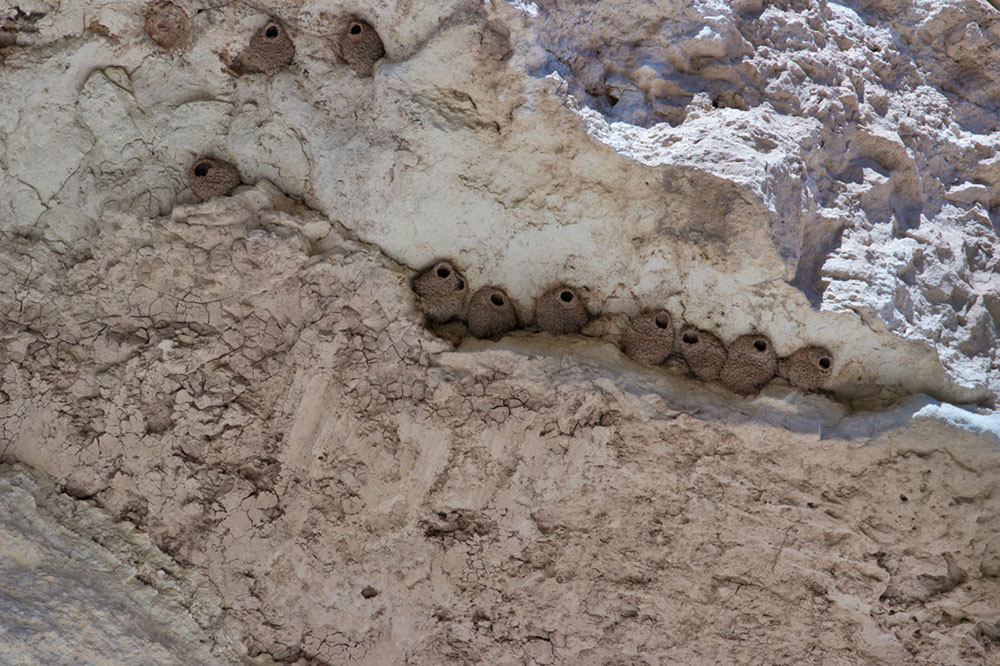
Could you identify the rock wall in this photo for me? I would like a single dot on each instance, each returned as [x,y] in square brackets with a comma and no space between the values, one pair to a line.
[77,587]
[249,381]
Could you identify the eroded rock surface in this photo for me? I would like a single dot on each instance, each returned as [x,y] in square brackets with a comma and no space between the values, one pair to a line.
[248,381]
[268,408]
[79,588]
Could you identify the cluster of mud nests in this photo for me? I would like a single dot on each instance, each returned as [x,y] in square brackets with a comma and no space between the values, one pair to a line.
[270,48]
[744,365]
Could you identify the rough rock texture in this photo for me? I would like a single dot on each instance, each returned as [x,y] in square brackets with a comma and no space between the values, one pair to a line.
[248,381]
[649,338]
[78,588]
[168,24]
[809,156]
[267,407]
[990,566]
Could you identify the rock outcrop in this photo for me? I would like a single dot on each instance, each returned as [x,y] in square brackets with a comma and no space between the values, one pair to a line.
[284,395]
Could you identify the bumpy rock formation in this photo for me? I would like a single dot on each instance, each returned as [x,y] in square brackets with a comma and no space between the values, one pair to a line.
[561,310]
[245,381]
[168,24]
[442,292]
[123,608]
[491,313]
[990,564]
[649,338]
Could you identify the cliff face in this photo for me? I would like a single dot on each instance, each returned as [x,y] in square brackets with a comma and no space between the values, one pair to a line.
[249,381]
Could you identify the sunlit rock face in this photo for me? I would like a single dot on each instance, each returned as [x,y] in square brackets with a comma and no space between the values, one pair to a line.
[79,588]
[365,459]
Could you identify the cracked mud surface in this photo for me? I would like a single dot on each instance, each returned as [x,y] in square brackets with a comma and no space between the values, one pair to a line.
[281,423]
[323,480]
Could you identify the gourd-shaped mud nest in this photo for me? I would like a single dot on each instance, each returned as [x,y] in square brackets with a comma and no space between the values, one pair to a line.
[168,24]
[750,363]
[808,368]
[491,313]
[210,178]
[649,339]
[270,49]
[561,311]
[442,291]
[704,353]
[360,46]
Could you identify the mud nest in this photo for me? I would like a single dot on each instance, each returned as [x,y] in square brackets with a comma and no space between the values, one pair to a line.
[703,352]
[750,363]
[167,24]
[360,46]
[491,313]
[808,368]
[650,337]
[210,178]
[442,291]
[561,311]
[270,50]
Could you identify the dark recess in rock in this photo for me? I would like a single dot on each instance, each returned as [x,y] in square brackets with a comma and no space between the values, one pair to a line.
[561,311]
[360,46]
[491,313]
[704,353]
[270,50]
[210,178]
[750,364]
[168,24]
[441,292]
[649,339]
[808,368]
